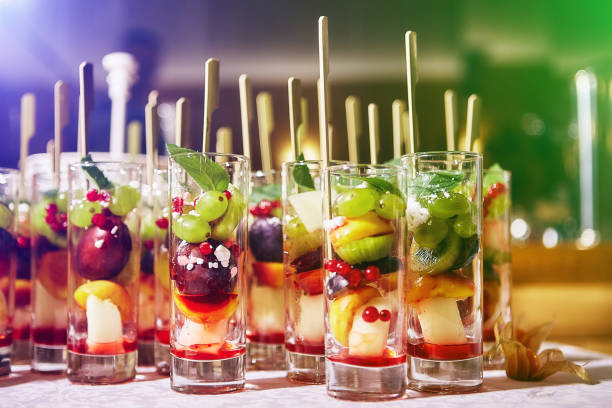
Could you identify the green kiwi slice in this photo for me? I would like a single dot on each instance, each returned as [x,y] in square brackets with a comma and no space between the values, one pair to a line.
[366,249]
[425,260]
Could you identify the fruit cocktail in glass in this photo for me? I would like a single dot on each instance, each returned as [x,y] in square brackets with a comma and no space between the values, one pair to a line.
[23,288]
[443,287]
[9,185]
[266,304]
[103,270]
[161,268]
[496,271]
[303,261]
[49,224]
[208,244]
[365,312]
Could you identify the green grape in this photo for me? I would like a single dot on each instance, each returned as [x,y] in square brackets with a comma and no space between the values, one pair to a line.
[391,206]
[147,227]
[123,200]
[431,233]
[356,202]
[277,212]
[6,217]
[296,228]
[464,226]
[498,206]
[82,211]
[191,228]
[211,205]
[225,226]
[61,202]
[446,205]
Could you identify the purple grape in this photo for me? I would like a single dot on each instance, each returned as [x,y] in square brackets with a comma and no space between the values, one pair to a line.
[266,239]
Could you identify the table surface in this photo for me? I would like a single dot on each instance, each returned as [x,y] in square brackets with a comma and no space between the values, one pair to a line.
[270,389]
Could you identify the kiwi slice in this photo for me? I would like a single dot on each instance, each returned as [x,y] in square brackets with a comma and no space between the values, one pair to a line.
[425,260]
[366,249]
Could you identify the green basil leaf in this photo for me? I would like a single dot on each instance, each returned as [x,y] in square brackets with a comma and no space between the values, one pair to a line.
[269,192]
[96,174]
[301,174]
[209,174]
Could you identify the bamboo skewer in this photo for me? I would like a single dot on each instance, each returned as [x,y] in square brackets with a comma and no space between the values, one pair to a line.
[294,88]
[398,107]
[450,116]
[373,126]
[323,90]
[224,140]
[411,71]
[211,98]
[246,112]
[330,128]
[51,154]
[85,103]
[353,126]
[473,120]
[27,129]
[182,133]
[151,135]
[60,114]
[134,132]
[265,119]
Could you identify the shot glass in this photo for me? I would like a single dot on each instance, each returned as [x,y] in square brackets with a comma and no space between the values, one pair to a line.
[207,247]
[162,272]
[265,308]
[444,271]
[9,182]
[104,245]
[49,227]
[364,256]
[496,262]
[21,352]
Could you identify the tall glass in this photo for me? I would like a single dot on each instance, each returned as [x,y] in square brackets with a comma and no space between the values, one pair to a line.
[9,184]
[49,226]
[444,270]
[104,201]
[303,260]
[496,270]
[162,272]
[364,275]
[208,245]
[146,296]
[23,287]
[265,309]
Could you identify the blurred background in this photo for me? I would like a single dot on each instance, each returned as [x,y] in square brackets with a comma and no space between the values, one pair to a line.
[543,70]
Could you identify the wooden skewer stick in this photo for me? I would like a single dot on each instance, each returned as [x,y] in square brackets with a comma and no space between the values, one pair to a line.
[60,99]
[373,126]
[27,128]
[477,146]
[411,71]
[406,130]
[294,87]
[473,120]
[323,90]
[450,116]
[265,119]
[85,103]
[246,112]
[330,128]
[183,110]
[224,140]
[134,132]
[51,154]
[398,107]
[303,128]
[151,136]
[211,98]
[353,126]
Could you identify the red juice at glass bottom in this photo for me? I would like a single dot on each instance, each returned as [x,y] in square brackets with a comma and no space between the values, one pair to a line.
[49,336]
[445,352]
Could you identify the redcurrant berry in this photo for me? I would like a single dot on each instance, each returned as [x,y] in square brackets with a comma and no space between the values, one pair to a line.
[92,195]
[385,315]
[228,195]
[205,248]
[354,277]
[372,273]
[370,314]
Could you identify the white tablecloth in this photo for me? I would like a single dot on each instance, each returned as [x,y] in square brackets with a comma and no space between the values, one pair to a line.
[269,389]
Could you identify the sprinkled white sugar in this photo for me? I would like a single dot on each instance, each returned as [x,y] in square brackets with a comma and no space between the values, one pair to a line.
[114,230]
[415,214]
[189,267]
[223,255]
[213,265]
[199,261]
[98,244]
[335,223]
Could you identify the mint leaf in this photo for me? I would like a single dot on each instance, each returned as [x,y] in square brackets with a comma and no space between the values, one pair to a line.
[269,192]
[209,174]
[96,174]
[301,174]
[381,185]
[435,181]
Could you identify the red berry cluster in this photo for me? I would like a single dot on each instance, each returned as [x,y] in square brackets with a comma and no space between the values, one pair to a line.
[264,208]
[177,205]
[162,223]
[56,220]
[494,190]
[95,195]
[353,275]
[102,221]
[371,314]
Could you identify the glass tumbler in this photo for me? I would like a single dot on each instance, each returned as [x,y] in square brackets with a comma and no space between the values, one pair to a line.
[23,285]
[207,248]
[444,270]
[9,185]
[265,308]
[104,200]
[303,260]
[496,259]
[49,227]
[364,256]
